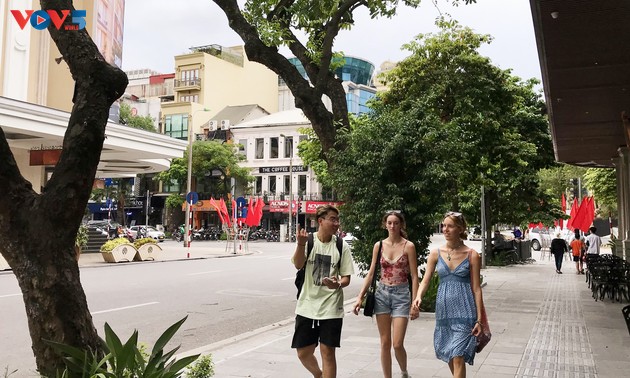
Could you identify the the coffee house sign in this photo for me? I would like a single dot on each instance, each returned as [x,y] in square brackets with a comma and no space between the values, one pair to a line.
[284,169]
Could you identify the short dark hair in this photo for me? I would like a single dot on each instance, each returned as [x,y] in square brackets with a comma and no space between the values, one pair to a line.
[593,229]
[322,211]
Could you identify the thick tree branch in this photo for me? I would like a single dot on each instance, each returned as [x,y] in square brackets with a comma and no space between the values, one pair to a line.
[97,85]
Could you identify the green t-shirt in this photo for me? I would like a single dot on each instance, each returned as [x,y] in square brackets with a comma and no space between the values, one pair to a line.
[316,300]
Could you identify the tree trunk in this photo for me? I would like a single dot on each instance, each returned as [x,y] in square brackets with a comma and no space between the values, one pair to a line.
[38,231]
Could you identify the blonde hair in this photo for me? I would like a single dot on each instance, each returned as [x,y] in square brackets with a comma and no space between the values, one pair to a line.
[460,221]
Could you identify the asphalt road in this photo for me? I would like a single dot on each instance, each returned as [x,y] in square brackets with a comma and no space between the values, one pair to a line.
[222,297]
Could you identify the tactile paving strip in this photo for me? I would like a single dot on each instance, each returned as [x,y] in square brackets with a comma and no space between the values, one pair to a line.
[559,346]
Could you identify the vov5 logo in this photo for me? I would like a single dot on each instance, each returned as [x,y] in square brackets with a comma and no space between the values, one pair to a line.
[40,19]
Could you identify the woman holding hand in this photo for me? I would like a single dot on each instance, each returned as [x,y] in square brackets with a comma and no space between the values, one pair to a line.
[398,264]
[459,301]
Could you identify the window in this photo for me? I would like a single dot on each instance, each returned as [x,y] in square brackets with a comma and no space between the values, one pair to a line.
[258,188]
[242,148]
[176,126]
[272,184]
[273,148]
[189,98]
[301,184]
[172,187]
[190,77]
[288,147]
[287,183]
[260,148]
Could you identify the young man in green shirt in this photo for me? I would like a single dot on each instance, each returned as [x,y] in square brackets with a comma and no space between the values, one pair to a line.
[319,310]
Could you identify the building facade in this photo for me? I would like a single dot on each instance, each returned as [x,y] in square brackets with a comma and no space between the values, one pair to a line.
[210,78]
[270,146]
[357,80]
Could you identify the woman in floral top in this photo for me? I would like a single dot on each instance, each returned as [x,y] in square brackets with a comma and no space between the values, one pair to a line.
[398,263]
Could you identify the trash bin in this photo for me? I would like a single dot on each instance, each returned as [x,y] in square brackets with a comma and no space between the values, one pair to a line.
[524,248]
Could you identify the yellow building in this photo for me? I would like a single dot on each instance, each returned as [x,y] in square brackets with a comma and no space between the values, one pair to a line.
[210,78]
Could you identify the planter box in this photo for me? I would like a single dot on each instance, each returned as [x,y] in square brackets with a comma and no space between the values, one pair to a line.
[4,265]
[149,251]
[122,253]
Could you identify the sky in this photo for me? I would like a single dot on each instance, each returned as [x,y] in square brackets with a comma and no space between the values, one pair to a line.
[157,30]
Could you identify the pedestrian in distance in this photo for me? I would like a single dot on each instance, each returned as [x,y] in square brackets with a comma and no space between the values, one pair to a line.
[319,309]
[459,300]
[593,242]
[399,272]
[577,250]
[558,248]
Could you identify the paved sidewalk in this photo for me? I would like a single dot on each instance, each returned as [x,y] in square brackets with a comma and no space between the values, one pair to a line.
[544,325]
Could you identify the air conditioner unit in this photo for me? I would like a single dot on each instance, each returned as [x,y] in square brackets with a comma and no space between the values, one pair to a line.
[225,124]
[212,124]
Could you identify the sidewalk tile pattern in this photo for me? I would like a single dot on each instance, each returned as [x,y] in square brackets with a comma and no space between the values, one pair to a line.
[559,345]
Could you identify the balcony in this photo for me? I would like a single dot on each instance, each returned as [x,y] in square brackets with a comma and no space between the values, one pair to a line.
[181,85]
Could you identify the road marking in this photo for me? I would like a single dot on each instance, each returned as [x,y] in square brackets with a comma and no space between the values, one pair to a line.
[290,278]
[251,349]
[124,308]
[208,272]
[9,295]
[250,293]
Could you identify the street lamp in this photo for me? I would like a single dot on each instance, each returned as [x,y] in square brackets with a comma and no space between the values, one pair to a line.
[187,235]
[290,186]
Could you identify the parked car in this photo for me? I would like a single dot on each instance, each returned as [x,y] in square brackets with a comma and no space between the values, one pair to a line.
[474,233]
[148,231]
[540,238]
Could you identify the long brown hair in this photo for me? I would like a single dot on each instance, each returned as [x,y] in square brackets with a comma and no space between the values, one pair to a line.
[401,218]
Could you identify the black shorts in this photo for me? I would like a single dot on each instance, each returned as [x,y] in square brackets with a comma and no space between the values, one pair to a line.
[576,258]
[309,332]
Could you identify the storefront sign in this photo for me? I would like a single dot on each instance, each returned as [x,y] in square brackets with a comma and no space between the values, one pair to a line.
[284,169]
[281,206]
[311,206]
[44,155]
[201,205]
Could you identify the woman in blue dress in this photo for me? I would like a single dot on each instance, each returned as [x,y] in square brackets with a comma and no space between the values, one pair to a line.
[459,301]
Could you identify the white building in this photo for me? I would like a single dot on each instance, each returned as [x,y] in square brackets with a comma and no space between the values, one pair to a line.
[270,145]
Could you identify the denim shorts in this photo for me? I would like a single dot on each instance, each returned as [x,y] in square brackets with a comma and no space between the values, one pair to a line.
[393,300]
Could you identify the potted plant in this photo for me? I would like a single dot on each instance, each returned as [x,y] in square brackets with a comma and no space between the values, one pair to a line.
[148,249]
[81,241]
[118,250]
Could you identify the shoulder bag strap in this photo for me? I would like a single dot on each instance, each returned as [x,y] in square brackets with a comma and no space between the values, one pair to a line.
[378,265]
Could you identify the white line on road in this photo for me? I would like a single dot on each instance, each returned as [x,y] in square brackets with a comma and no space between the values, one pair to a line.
[290,278]
[124,308]
[251,349]
[211,271]
[9,295]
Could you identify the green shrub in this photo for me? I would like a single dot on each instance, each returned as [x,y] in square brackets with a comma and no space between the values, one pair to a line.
[128,360]
[223,236]
[111,244]
[428,300]
[82,236]
[140,242]
[202,368]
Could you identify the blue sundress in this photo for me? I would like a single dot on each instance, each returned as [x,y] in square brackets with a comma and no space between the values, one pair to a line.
[455,313]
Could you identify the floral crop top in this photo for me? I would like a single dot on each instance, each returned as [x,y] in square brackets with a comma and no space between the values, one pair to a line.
[395,272]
